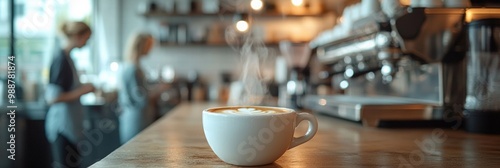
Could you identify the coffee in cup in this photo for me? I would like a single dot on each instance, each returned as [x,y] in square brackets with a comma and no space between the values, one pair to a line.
[254,135]
[248,110]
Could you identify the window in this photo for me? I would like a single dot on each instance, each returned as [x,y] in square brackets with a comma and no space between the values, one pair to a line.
[37,38]
[4,32]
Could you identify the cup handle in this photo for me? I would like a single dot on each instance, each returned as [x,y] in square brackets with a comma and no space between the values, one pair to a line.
[311,130]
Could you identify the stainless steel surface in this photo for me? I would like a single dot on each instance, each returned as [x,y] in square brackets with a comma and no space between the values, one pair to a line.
[370,37]
[371,110]
[412,80]
[366,45]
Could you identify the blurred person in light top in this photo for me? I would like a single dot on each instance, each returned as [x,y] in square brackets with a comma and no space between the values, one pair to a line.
[64,121]
[136,98]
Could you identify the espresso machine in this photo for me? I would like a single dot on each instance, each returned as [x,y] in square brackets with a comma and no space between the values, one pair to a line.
[411,64]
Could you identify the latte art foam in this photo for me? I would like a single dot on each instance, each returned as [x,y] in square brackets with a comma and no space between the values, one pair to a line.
[248,111]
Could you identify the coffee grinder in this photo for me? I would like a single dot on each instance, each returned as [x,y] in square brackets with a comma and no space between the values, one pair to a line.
[481,110]
[296,56]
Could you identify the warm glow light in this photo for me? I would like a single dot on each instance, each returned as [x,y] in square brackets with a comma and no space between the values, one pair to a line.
[242,26]
[322,102]
[256,4]
[297,2]
[114,66]
[481,13]
[405,2]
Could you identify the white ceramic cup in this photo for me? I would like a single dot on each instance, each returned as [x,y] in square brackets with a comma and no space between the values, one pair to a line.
[249,138]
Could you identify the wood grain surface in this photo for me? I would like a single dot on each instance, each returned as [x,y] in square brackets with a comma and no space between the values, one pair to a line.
[177,140]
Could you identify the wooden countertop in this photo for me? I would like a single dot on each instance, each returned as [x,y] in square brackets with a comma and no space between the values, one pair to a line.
[177,140]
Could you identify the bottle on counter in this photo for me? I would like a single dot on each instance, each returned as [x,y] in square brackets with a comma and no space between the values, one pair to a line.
[224,89]
[197,89]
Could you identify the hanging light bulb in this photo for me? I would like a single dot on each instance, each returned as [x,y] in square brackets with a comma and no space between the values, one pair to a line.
[242,22]
[242,26]
[256,4]
[297,2]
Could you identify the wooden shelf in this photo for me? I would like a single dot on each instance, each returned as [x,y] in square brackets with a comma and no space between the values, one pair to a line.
[194,45]
[271,44]
[174,19]
[162,14]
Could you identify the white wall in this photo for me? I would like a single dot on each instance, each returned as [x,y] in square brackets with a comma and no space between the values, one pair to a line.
[108,43]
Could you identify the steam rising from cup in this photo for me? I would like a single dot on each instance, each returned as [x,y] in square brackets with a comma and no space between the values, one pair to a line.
[253,53]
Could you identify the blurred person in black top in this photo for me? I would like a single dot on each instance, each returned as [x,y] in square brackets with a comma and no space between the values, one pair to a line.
[64,121]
